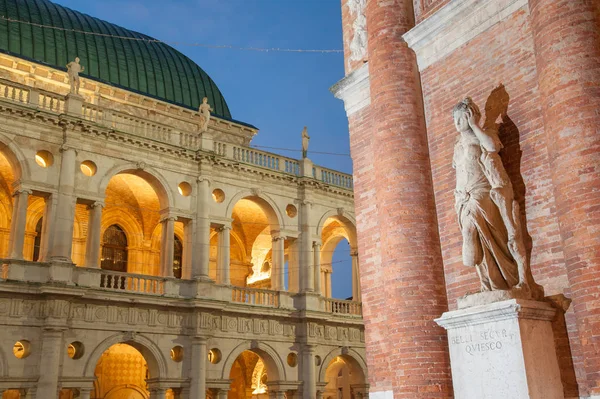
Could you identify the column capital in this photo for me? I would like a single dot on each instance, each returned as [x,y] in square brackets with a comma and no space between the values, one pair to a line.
[317,243]
[304,202]
[224,227]
[309,348]
[201,179]
[168,218]
[96,204]
[20,191]
[199,340]
[353,251]
[276,236]
[66,147]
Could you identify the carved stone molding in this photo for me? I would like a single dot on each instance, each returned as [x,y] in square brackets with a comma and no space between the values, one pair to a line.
[454,25]
[354,90]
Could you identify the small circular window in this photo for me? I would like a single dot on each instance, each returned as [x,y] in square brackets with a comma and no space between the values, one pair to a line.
[177,353]
[88,168]
[44,158]
[214,356]
[291,211]
[292,359]
[22,349]
[184,188]
[218,195]
[75,350]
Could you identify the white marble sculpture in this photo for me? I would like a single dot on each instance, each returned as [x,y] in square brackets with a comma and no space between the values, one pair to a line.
[205,111]
[358,44]
[305,139]
[74,69]
[488,214]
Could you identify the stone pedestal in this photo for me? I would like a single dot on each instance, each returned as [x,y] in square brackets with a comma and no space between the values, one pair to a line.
[503,350]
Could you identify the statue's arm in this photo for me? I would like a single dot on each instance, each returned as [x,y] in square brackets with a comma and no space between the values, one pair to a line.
[488,139]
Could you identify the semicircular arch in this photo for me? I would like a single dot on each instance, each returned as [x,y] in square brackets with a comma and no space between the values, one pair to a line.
[16,159]
[266,203]
[269,356]
[152,176]
[347,221]
[348,353]
[157,364]
[131,227]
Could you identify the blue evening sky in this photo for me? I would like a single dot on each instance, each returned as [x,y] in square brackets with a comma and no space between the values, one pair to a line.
[277,92]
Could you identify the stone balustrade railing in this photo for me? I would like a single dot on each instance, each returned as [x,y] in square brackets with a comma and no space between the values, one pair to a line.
[253,296]
[66,274]
[141,127]
[344,307]
[132,282]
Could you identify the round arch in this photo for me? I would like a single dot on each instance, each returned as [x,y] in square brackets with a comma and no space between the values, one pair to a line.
[133,230]
[273,363]
[152,176]
[347,221]
[356,360]
[15,157]
[157,365]
[268,206]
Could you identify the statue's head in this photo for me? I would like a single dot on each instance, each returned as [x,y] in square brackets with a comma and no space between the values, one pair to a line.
[204,100]
[77,60]
[459,112]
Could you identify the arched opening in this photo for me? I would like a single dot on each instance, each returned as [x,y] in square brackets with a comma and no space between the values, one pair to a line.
[248,377]
[6,203]
[177,257]
[345,379]
[121,372]
[37,241]
[114,249]
[251,243]
[133,202]
[339,260]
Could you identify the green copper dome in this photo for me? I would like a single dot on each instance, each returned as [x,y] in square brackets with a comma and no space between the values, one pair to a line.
[144,66]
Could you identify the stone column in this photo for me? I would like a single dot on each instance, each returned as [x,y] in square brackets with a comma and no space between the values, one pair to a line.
[224,260]
[222,394]
[167,243]
[317,266]
[29,393]
[188,253]
[158,393]
[567,51]
[47,227]
[309,389]
[65,208]
[49,364]
[406,243]
[198,368]
[307,283]
[278,269]
[355,275]
[84,393]
[17,226]
[92,244]
[201,256]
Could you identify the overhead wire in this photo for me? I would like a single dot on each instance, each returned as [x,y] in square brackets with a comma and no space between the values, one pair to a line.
[176,43]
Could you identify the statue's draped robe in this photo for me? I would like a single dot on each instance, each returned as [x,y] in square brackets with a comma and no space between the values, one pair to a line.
[484,233]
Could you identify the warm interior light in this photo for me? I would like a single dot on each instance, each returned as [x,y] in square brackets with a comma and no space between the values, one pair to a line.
[180,190]
[40,161]
[88,168]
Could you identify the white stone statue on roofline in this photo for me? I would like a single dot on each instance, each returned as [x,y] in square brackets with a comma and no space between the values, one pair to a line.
[305,139]
[488,214]
[74,69]
[205,111]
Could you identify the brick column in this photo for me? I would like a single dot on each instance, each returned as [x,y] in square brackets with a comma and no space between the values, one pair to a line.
[403,289]
[567,46]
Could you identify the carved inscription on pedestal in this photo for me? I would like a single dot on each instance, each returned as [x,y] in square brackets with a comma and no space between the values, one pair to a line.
[479,342]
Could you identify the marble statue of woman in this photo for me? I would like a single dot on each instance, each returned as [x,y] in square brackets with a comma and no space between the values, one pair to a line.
[488,215]
[205,111]
[305,139]
[73,70]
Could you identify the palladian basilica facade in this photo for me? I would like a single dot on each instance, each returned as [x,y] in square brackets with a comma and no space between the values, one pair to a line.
[148,251]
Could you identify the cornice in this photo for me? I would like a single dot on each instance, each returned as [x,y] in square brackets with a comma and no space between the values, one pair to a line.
[455,24]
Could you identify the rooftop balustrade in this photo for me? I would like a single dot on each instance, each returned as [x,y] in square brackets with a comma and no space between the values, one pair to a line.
[160,132]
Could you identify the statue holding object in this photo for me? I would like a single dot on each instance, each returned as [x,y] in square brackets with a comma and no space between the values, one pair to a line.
[488,214]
